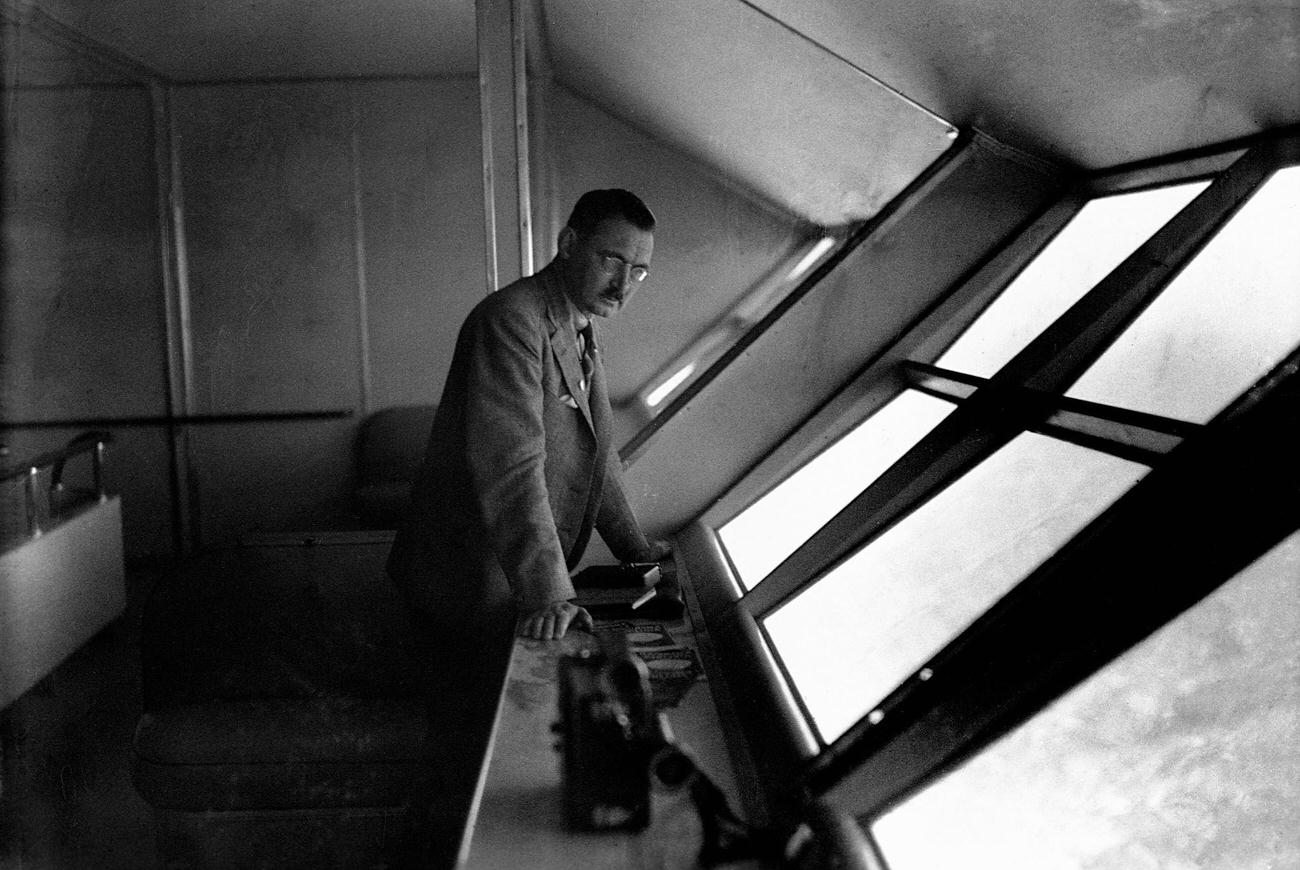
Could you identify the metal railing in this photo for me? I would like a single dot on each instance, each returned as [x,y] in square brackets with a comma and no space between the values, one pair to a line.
[185,505]
[42,515]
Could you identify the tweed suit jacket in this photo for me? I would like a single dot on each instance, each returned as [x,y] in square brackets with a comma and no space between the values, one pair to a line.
[519,467]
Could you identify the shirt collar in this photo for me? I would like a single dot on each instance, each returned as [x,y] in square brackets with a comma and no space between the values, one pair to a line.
[572,314]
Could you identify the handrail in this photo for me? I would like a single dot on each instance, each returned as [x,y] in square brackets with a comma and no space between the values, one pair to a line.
[83,443]
[172,420]
[87,442]
[79,444]
[97,438]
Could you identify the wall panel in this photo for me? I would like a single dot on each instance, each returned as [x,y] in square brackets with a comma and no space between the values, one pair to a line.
[267,184]
[83,327]
[273,477]
[422,209]
[82,331]
[302,302]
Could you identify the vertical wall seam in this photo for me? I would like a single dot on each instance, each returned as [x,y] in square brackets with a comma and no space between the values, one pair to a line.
[483,30]
[176,311]
[364,372]
[184,310]
[13,62]
[519,57]
[181,251]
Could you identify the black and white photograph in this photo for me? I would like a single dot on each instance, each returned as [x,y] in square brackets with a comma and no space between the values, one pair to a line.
[650,435]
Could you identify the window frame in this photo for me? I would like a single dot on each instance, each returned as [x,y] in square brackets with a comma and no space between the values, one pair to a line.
[928,725]
[1005,404]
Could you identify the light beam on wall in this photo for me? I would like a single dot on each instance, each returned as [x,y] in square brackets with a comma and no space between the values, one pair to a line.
[824,244]
[664,390]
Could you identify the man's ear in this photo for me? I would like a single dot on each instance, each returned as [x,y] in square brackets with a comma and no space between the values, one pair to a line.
[564,244]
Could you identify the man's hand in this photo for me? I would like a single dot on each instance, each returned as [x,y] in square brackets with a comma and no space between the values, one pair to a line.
[552,621]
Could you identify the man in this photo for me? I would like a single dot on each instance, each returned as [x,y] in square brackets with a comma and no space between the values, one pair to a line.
[518,471]
[519,465]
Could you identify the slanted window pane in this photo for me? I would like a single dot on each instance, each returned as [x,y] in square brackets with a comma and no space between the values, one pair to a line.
[772,528]
[1095,241]
[1184,752]
[1231,315]
[851,638]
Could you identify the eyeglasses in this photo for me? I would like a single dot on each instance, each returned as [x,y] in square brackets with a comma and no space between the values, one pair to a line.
[611,264]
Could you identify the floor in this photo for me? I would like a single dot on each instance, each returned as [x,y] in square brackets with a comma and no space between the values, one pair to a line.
[66,799]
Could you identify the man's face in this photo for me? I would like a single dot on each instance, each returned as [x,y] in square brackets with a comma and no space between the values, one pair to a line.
[602,267]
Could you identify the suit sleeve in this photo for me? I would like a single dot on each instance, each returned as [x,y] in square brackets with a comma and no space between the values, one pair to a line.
[507,452]
[616,522]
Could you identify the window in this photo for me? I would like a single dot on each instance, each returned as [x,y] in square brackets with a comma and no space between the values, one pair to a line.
[1196,768]
[773,527]
[1223,322]
[958,554]
[1098,238]
[1103,446]
[855,635]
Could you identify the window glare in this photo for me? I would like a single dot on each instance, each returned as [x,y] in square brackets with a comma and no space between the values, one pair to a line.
[765,533]
[854,636]
[1184,752]
[1095,241]
[1230,316]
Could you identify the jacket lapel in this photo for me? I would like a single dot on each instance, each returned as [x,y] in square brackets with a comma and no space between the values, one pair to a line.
[565,349]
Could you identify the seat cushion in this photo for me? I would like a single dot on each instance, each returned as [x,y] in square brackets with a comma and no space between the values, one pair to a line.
[236,755]
[391,442]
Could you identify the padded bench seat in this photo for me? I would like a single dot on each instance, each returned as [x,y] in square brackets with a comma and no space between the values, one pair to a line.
[284,717]
[247,755]
[389,450]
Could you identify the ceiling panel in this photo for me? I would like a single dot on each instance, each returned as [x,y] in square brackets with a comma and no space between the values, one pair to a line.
[736,89]
[219,40]
[1091,84]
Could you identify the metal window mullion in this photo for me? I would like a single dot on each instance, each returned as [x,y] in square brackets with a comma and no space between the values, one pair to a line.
[957,312]
[1118,431]
[941,383]
[901,485]
[1133,450]
[1202,162]
[869,390]
[984,421]
[1060,354]
[1050,363]
[1184,530]
[972,432]
[1223,498]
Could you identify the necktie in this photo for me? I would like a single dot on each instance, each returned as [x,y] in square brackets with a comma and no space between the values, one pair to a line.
[587,350]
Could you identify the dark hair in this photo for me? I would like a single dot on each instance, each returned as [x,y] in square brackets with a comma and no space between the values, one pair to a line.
[595,206]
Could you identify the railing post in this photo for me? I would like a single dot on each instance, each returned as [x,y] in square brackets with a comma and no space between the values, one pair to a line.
[97,464]
[33,508]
